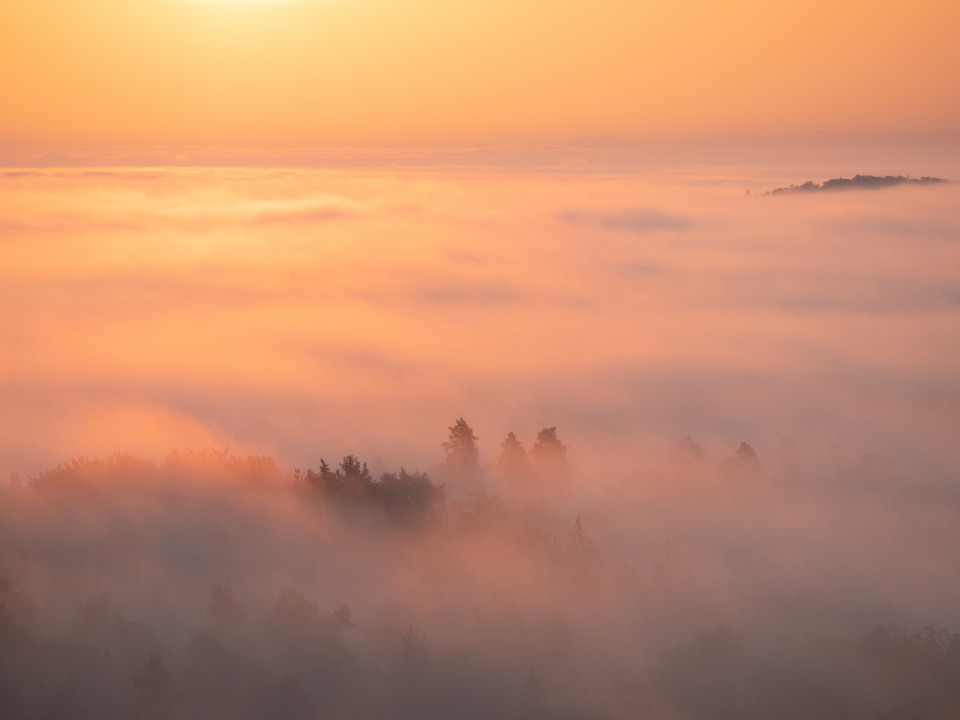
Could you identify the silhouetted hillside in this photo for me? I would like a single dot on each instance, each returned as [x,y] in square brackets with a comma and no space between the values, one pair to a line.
[716,583]
[857,182]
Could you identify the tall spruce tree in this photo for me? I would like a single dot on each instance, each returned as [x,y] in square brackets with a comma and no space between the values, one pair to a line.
[463,460]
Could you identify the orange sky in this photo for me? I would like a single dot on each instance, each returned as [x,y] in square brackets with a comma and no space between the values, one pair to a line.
[120,72]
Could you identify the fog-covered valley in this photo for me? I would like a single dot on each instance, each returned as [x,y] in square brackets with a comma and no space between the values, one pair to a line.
[479,441]
[736,586]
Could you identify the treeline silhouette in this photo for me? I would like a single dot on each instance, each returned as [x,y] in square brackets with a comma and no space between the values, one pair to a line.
[407,497]
[410,497]
[857,182]
[329,592]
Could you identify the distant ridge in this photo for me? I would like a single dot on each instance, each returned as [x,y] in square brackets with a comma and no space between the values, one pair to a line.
[857,182]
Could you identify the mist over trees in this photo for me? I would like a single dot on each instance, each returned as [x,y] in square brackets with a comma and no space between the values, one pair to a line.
[463,459]
[857,182]
[402,496]
[548,455]
[699,583]
[513,465]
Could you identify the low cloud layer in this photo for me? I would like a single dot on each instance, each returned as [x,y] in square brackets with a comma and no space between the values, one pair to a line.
[754,515]
[264,309]
[638,221]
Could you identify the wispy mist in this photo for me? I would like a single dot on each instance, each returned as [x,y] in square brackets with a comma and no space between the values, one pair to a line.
[265,310]
[705,464]
[211,584]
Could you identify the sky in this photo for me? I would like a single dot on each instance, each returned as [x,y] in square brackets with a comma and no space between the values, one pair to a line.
[450,72]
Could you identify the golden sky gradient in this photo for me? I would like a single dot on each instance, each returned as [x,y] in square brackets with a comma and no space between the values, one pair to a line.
[374,72]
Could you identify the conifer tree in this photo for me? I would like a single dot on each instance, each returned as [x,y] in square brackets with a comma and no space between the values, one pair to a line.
[463,460]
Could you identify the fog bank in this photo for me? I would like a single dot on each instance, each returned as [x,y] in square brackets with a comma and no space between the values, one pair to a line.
[577,441]
[737,585]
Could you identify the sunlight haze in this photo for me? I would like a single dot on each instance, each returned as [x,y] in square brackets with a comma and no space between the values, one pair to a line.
[374,72]
[479,360]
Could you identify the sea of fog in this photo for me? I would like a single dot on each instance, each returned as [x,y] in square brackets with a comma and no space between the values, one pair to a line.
[309,313]
[755,511]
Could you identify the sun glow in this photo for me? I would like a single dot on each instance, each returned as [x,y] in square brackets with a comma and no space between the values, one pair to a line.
[378,72]
[250,2]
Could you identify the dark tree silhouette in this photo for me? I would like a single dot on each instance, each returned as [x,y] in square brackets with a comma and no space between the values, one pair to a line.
[513,463]
[549,455]
[857,182]
[407,496]
[352,470]
[349,483]
[461,447]
[744,464]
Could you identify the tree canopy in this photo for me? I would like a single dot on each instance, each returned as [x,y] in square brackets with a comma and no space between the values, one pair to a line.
[549,455]
[513,463]
[463,459]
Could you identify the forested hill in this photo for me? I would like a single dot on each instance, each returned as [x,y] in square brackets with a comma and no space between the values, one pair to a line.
[698,583]
[857,182]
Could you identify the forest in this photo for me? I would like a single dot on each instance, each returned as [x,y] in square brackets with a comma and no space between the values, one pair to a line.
[857,182]
[697,586]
